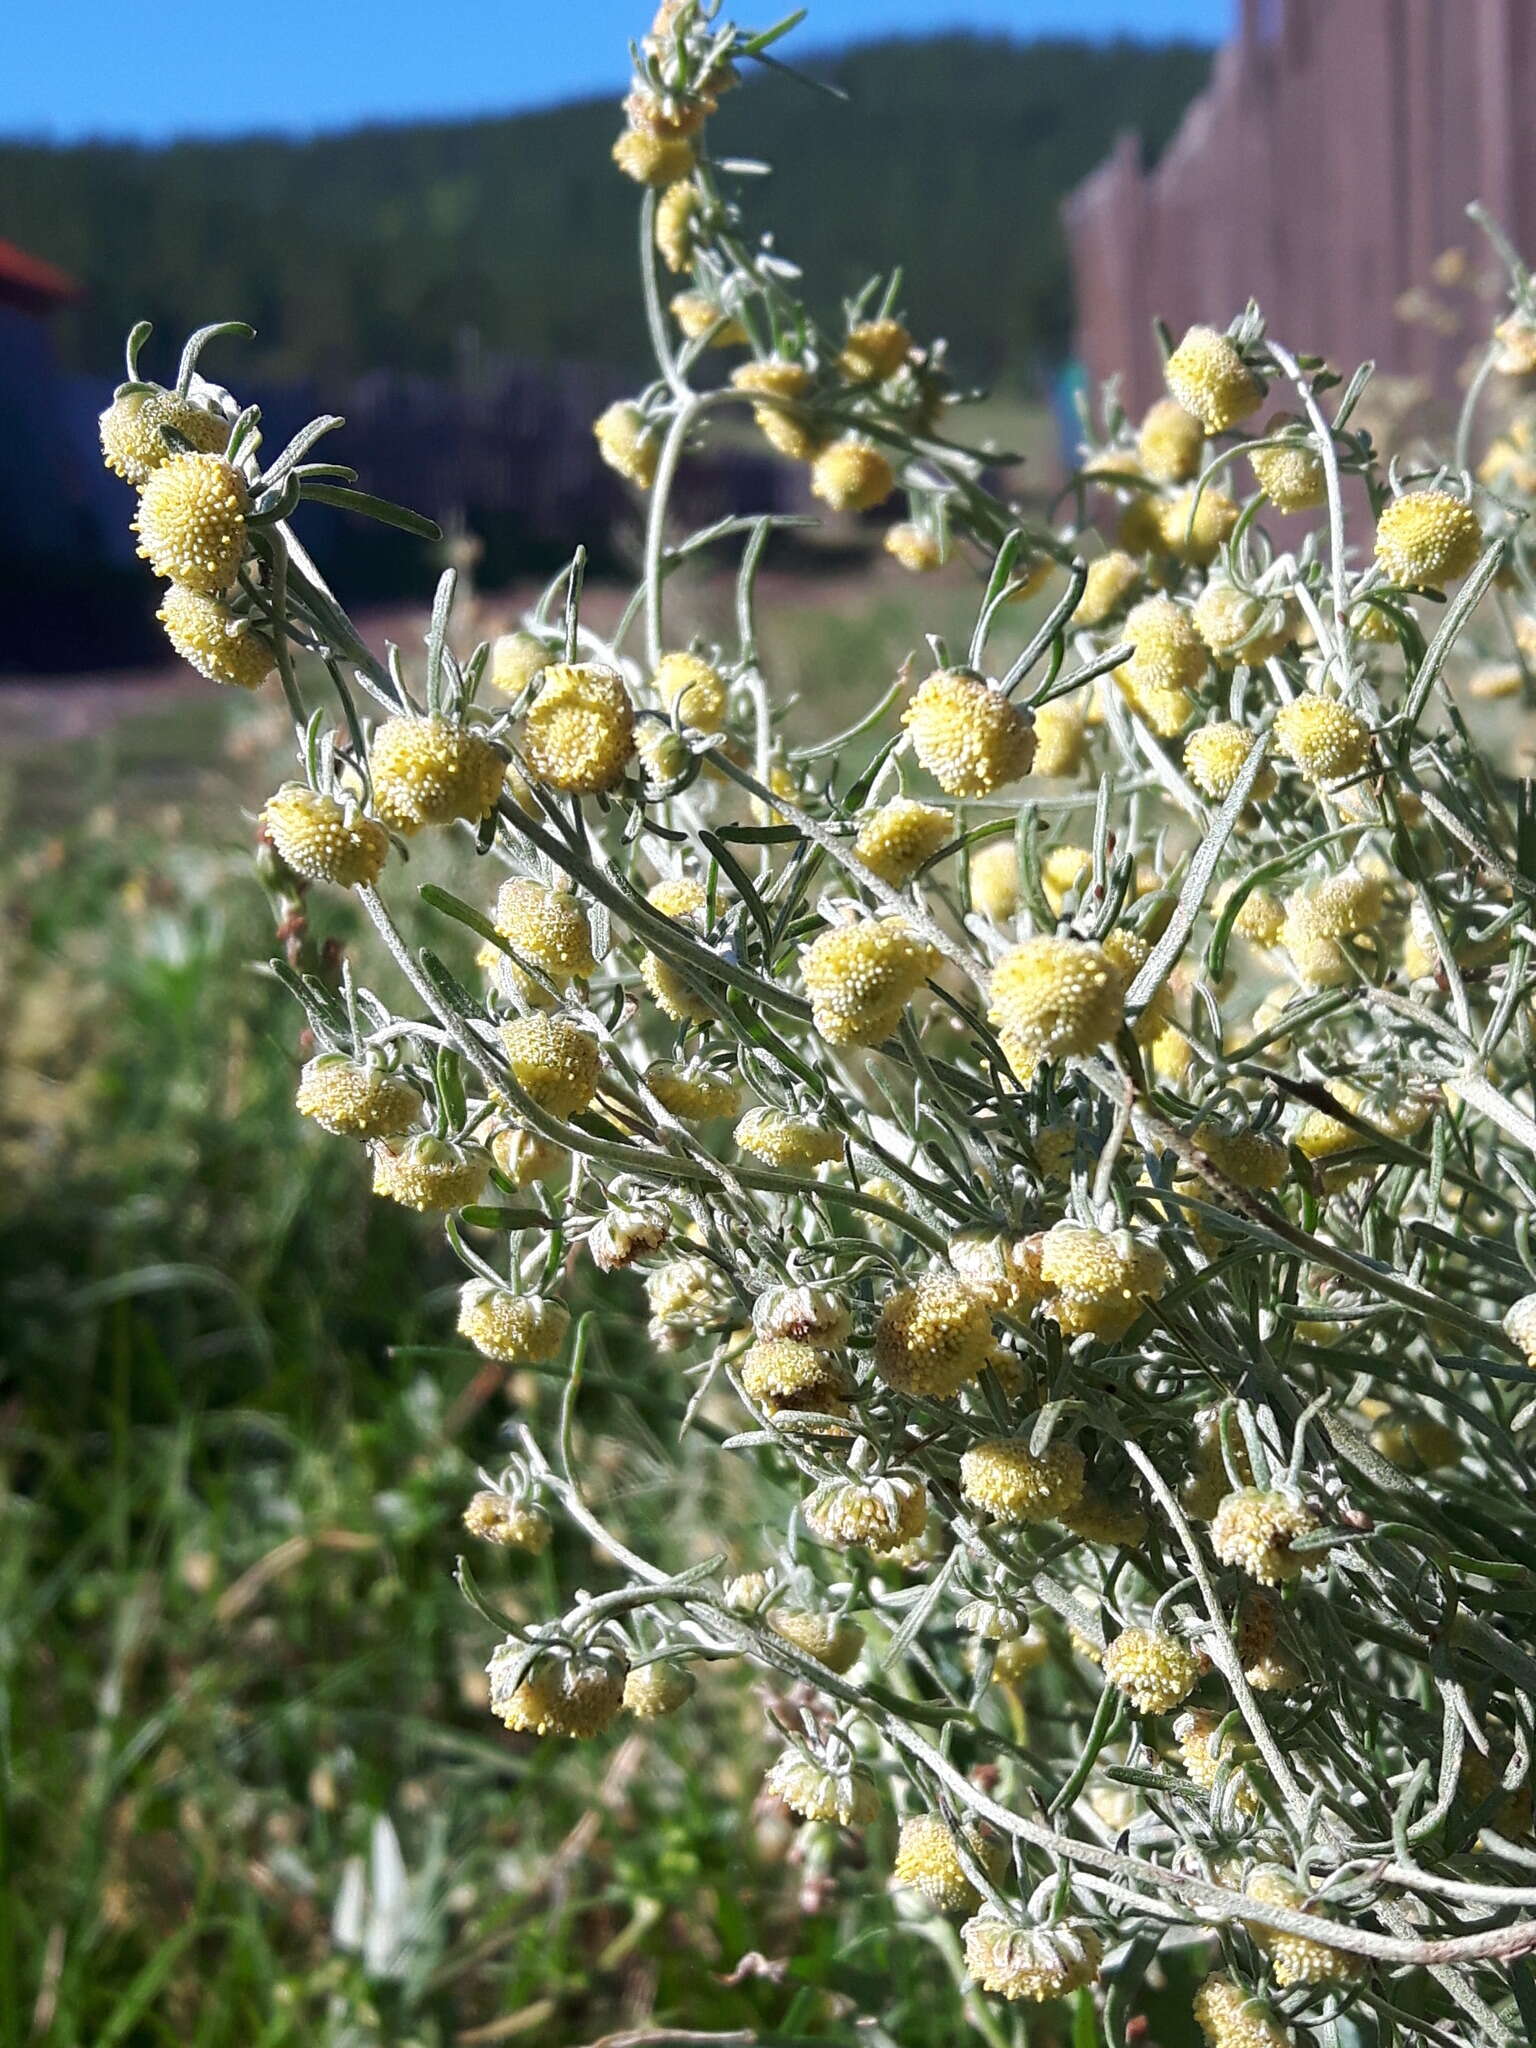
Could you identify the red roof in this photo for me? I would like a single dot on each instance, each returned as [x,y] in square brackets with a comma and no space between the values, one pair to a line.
[30,284]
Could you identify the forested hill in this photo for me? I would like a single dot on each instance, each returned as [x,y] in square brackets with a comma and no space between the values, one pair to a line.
[383,245]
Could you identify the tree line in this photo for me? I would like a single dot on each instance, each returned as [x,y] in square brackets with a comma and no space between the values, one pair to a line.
[399,246]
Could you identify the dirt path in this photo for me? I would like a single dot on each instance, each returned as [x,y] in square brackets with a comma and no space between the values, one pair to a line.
[45,710]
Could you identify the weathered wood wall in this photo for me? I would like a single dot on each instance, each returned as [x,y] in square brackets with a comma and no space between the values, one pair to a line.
[1324,171]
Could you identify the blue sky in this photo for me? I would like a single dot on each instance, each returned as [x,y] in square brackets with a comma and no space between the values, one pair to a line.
[169,67]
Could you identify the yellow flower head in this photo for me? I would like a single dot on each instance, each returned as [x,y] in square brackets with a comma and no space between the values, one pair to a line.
[828,1639]
[1290,474]
[1427,538]
[554,1062]
[780,1372]
[516,658]
[680,897]
[1520,1326]
[693,689]
[1015,1484]
[1254,1529]
[1260,916]
[1230,2017]
[781,385]
[427,771]
[658,1689]
[1492,681]
[1170,1054]
[746,1592]
[1140,531]
[994,870]
[1167,652]
[512,1328]
[695,1095]
[1162,710]
[1209,378]
[429,1173]
[1418,1444]
[967,735]
[881,1514]
[901,835]
[847,1797]
[672,991]
[133,430]
[577,1695]
[1004,1270]
[653,159]
[662,753]
[1323,912]
[851,475]
[623,1232]
[698,315]
[1152,1668]
[191,522]
[1293,1958]
[1516,336]
[1215,756]
[1060,729]
[928,1861]
[1205,1753]
[676,211]
[1236,627]
[915,548]
[687,1287]
[1368,621]
[669,113]
[1057,997]
[579,733]
[933,1337]
[1320,1136]
[1097,1281]
[861,976]
[352,1099]
[1063,872]
[548,927]
[524,1156]
[510,1524]
[1116,1523]
[1325,739]
[874,350]
[995,1621]
[323,840]
[780,1138]
[1054,1148]
[628,442]
[1169,443]
[1032,1963]
[1195,529]
[1251,1159]
[806,1314]
[1111,579]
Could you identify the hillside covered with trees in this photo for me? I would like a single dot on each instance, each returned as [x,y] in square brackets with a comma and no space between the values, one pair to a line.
[387,245]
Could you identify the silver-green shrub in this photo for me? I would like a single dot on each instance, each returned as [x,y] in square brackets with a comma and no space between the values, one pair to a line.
[1075,1127]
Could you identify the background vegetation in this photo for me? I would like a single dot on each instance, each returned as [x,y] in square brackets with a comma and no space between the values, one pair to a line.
[384,247]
